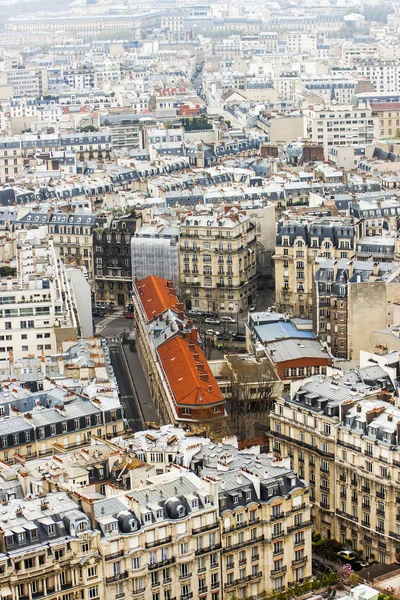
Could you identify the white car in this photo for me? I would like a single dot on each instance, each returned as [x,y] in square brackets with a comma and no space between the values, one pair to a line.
[228,320]
[211,321]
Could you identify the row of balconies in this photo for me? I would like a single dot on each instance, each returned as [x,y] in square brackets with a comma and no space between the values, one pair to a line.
[242,580]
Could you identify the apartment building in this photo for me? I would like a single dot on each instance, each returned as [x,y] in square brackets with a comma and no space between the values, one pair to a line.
[376,214]
[342,436]
[113,258]
[218,261]
[339,125]
[387,118]
[351,300]
[155,251]
[48,550]
[234,530]
[339,89]
[384,74]
[11,160]
[72,235]
[53,420]
[43,305]
[298,244]
[181,382]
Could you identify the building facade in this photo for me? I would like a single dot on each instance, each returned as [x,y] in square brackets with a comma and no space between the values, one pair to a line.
[341,435]
[218,261]
[298,244]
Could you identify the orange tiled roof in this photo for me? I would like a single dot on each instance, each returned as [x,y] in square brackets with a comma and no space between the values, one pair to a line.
[190,385]
[156,297]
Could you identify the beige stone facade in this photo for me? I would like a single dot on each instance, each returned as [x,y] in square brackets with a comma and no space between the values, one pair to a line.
[354,480]
[218,261]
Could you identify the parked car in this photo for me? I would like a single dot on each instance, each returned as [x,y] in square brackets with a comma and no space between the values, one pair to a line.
[227,320]
[252,308]
[224,337]
[211,332]
[347,554]
[97,314]
[194,313]
[129,316]
[239,337]
[212,321]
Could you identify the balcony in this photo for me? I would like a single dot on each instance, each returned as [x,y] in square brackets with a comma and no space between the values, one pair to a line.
[243,561]
[394,535]
[166,540]
[366,506]
[241,525]
[162,563]
[255,557]
[215,585]
[230,566]
[366,489]
[299,542]
[244,544]
[242,580]
[138,591]
[277,517]
[205,528]
[365,523]
[299,561]
[380,495]
[287,438]
[278,534]
[346,515]
[203,590]
[114,556]
[276,572]
[184,576]
[380,529]
[300,526]
[208,549]
[117,577]
[187,596]
[380,512]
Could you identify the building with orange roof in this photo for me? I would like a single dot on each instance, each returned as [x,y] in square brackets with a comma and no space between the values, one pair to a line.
[183,387]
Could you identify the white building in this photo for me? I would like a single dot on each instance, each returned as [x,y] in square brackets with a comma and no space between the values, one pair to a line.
[155,251]
[339,125]
[39,307]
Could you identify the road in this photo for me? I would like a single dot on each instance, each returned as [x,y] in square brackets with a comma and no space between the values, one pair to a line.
[127,392]
[134,391]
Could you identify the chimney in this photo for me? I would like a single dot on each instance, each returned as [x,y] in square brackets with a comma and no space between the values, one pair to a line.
[240,479]
[375,269]
[345,407]
[335,270]
[351,269]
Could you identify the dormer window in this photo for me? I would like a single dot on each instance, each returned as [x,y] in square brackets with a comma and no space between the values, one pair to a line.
[147,518]
[248,495]
[51,530]
[159,514]
[21,538]
[235,499]
[82,526]
[207,500]
[195,503]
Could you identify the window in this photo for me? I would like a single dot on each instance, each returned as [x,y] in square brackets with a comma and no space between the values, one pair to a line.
[92,572]
[93,592]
